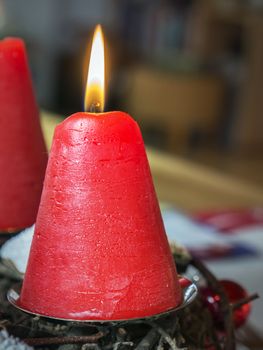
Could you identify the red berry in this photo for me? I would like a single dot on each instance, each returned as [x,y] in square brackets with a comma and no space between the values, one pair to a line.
[235,293]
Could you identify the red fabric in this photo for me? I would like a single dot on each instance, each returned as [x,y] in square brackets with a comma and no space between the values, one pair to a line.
[229,220]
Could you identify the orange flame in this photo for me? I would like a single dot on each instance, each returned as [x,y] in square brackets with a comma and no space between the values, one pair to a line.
[95,94]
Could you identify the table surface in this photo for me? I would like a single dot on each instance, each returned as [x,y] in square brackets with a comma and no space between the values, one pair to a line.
[188,186]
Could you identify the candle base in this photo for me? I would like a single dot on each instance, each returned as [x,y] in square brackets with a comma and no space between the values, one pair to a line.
[189,293]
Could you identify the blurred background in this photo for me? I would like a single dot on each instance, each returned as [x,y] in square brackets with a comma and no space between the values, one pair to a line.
[189,71]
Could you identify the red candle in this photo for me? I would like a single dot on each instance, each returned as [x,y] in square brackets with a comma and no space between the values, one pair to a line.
[99,250]
[23,155]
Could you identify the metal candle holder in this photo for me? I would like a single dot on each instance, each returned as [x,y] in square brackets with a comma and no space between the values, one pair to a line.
[189,294]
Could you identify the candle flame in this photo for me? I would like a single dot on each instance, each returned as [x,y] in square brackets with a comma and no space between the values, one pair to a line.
[94,94]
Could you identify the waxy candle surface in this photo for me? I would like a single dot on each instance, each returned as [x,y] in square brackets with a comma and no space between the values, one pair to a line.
[23,155]
[99,250]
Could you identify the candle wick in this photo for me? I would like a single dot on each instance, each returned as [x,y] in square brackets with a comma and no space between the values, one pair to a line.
[95,108]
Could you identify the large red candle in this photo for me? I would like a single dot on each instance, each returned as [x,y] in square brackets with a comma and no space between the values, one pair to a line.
[23,155]
[99,250]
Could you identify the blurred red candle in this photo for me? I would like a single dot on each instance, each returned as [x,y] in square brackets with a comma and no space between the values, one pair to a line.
[99,251]
[23,155]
